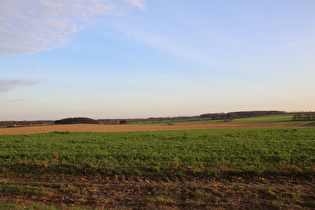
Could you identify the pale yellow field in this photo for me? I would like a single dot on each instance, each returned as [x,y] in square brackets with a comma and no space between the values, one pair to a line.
[122,128]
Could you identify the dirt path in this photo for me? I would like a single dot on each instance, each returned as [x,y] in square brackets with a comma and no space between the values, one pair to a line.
[123,128]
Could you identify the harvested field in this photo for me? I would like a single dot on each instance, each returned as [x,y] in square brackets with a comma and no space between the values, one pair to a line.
[127,128]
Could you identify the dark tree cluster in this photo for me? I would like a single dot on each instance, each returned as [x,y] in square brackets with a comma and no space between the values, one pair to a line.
[244,114]
[304,116]
[112,121]
[77,120]
[25,123]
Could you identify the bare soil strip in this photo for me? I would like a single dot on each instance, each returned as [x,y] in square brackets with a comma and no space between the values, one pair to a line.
[124,128]
[164,193]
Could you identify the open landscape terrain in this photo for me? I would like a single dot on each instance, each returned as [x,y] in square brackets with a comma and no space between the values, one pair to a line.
[277,121]
[141,104]
[263,162]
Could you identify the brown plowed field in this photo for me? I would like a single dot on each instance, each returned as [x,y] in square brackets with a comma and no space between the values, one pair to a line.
[124,128]
[163,193]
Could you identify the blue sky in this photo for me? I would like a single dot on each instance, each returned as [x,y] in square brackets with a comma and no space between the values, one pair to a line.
[151,58]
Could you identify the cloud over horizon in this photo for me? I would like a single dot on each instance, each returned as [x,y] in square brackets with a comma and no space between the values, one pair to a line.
[28,27]
[7,85]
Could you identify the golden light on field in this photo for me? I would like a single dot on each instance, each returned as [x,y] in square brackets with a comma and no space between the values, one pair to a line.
[122,128]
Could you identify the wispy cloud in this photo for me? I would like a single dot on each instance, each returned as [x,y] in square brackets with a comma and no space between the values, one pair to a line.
[7,85]
[41,25]
[136,3]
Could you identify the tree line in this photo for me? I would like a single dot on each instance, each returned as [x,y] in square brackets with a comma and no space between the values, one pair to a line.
[25,123]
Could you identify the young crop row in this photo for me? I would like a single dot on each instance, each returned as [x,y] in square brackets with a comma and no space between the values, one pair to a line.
[193,152]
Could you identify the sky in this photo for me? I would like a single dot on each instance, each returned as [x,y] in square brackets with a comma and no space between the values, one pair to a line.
[154,58]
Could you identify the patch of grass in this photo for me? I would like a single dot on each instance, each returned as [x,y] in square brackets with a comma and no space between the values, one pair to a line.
[310,124]
[21,190]
[14,204]
[160,201]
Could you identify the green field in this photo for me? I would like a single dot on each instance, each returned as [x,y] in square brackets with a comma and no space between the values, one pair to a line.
[161,153]
[29,164]
[273,120]
[281,120]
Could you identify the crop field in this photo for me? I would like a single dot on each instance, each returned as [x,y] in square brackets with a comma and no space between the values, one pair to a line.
[211,168]
[127,128]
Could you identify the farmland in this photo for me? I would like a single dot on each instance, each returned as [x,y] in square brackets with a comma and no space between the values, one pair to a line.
[277,121]
[175,168]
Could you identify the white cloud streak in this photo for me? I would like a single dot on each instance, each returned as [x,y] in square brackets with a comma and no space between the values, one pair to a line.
[136,3]
[7,85]
[41,25]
